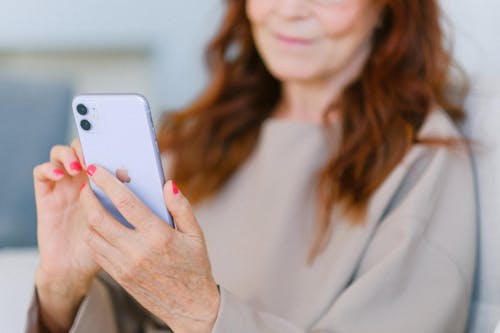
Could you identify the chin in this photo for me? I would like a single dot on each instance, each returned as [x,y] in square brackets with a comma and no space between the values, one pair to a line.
[292,70]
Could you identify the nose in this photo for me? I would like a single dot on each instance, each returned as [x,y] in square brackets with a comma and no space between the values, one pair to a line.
[291,9]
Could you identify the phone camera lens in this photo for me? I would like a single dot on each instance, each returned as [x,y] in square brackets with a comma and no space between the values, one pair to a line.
[82,109]
[86,125]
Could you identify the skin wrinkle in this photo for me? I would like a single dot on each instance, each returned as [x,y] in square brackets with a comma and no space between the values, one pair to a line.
[165,271]
[125,203]
[172,302]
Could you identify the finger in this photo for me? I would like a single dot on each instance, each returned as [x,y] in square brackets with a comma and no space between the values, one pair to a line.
[127,203]
[181,209]
[105,255]
[48,172]
[67,157]
[77,148]
[44,176]
[102,222]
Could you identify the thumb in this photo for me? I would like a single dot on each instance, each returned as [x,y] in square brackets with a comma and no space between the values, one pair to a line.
[181,210]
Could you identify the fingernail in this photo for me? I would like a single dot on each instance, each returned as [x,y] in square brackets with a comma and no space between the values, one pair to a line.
[83,186]
[75,166]
[58,172]
[91,170]
[175,189]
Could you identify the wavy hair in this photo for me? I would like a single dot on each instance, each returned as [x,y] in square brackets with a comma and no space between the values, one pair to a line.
[381,111]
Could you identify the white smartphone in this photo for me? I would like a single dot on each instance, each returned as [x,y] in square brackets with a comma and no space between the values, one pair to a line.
[116,131]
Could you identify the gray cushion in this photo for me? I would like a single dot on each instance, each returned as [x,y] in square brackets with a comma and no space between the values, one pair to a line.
[34,116]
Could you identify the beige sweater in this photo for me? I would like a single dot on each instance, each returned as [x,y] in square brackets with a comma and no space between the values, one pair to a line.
[408,268]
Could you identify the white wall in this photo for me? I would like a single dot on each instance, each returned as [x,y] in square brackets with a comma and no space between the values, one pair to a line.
[476,27]
[173,32]
[477,47]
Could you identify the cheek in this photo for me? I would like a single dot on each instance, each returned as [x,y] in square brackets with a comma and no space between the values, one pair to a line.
[346,31]
[257,10]
[352,18]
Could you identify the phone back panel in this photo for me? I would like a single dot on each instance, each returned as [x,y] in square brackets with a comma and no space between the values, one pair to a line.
[122,140]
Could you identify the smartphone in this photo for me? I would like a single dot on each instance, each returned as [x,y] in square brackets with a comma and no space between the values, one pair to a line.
[116,132]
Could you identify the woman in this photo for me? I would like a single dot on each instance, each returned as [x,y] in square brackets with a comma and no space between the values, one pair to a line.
[330,189]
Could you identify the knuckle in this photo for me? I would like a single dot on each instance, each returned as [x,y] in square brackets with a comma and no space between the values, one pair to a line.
[95,217]
[137,260]
[37,170]
[55,151]
[89,235]
[96,258]
[74,143]
[126,273]
[125,202]
[161,244]
[158,241]
[121,276]
[184,207]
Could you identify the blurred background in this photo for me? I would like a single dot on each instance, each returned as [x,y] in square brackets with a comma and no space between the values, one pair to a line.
[51,50]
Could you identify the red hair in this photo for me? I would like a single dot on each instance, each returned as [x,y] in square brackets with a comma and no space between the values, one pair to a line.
[381,111]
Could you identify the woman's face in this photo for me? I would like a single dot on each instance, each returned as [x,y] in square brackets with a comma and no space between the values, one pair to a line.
[311,39]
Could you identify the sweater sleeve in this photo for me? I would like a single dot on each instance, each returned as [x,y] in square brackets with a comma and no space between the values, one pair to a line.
[105,308]
[95,313]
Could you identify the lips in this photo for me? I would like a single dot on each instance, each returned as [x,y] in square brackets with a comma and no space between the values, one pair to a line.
[292,40]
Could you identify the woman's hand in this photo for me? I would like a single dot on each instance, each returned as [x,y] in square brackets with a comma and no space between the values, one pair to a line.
[168,271]
[66,267]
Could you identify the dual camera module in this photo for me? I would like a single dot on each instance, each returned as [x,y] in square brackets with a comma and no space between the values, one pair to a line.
[84,124]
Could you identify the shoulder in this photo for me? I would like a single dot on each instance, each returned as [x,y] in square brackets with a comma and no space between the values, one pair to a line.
[433,181]
[439,124]
[436,160]
[449,160]
[430,171]
[430,195]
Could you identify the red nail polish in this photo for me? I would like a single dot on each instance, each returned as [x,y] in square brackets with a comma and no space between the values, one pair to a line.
[91,170]
[75,166]
[175,189]
[83,186]
[58,172]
